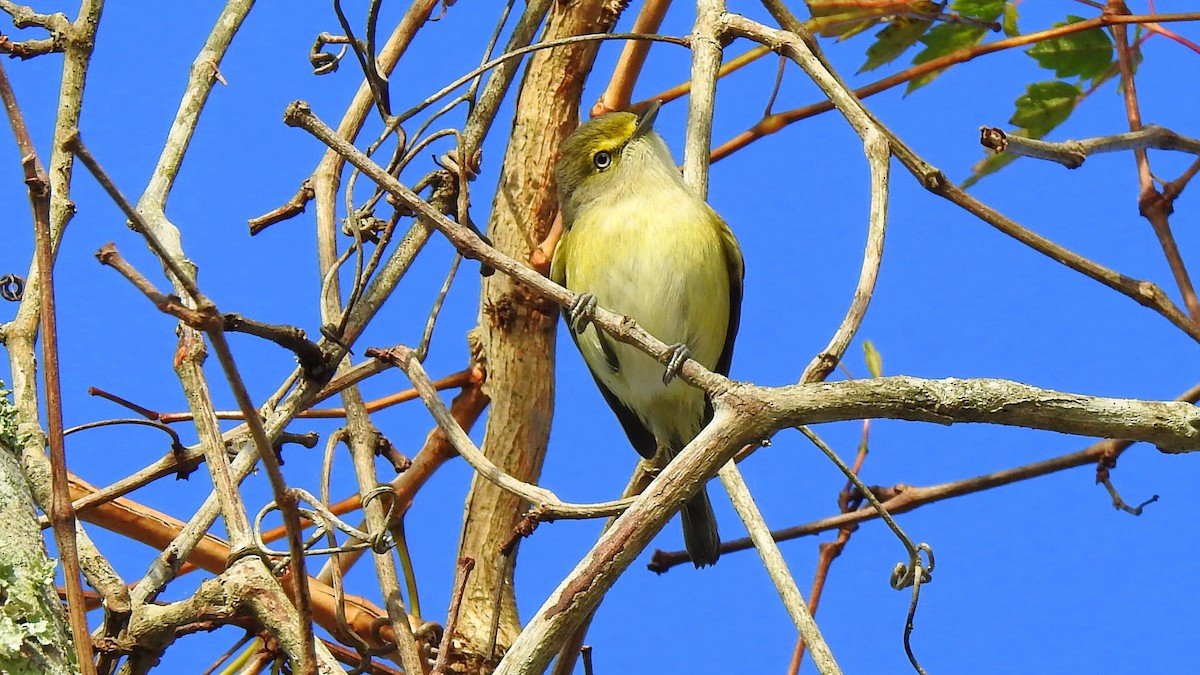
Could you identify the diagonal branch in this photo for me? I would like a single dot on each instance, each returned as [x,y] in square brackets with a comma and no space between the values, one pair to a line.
[1151,203]
[706,63]
[790,43]
[775,122]
[545,504]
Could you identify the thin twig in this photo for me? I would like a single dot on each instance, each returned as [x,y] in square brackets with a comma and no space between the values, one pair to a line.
[293,207]
[848,500]
[913,573]
[728,66]
[518,53]
[175,442]
[75,145]
[773,123]
[546,505]
[366,55]
[879,157]
[144,412]
[427,335]
[1151,203]
[1173,189]
[1072,154]
[1120,505]
[465,565]
[62,514]
[785,584]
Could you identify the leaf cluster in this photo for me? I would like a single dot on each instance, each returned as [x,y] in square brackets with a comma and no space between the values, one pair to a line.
[1079,61]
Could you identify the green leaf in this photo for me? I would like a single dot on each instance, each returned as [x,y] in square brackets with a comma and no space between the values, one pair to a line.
[1087,54]
[1009,24]
[848,32]
[948,38]
[942,40]
[845,18]
[873,358]
[1042,107]
[987,10]
[1045,105]
[900,34]
[989,165]
[837,18]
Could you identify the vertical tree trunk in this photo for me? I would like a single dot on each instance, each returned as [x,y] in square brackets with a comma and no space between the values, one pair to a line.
[31,615]
[518,328]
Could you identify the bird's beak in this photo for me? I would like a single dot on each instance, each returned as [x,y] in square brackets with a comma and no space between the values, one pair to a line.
[646,121]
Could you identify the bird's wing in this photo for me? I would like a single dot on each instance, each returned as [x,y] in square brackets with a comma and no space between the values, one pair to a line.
[558,264]
[737,270]
[640,437]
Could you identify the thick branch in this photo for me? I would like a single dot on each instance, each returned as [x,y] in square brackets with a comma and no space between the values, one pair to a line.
[1172,426]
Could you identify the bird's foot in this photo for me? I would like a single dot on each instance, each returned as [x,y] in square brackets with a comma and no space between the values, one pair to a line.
[679,353]
[579,314]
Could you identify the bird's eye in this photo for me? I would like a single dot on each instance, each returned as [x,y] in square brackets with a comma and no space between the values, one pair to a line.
[602,160]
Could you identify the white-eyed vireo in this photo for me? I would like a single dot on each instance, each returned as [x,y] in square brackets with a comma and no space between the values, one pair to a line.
[638,241]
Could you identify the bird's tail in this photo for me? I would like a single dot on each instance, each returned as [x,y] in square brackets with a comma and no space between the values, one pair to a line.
[700,535]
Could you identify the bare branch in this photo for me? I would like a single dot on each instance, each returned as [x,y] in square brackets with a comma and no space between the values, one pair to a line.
[310,356]
[293,207]
[27,49]
[879,157]
[619,91]
[785,584]
[62,514]
[1072,154]
[546,505]
[901,498]
[773,123]
[790,43]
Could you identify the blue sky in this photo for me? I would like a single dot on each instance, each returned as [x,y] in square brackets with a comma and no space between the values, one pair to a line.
[1039,577]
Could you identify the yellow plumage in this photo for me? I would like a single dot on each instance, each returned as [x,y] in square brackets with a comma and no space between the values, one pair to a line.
[644,245]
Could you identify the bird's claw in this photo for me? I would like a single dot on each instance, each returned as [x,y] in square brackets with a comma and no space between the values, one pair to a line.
[679,353]
[580,311]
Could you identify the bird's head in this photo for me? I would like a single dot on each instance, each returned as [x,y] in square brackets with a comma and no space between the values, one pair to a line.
[609,156]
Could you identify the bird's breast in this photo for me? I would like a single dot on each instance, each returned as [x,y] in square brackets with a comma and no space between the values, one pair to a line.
[661,264]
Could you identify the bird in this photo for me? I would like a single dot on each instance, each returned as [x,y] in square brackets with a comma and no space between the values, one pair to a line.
[638,241]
